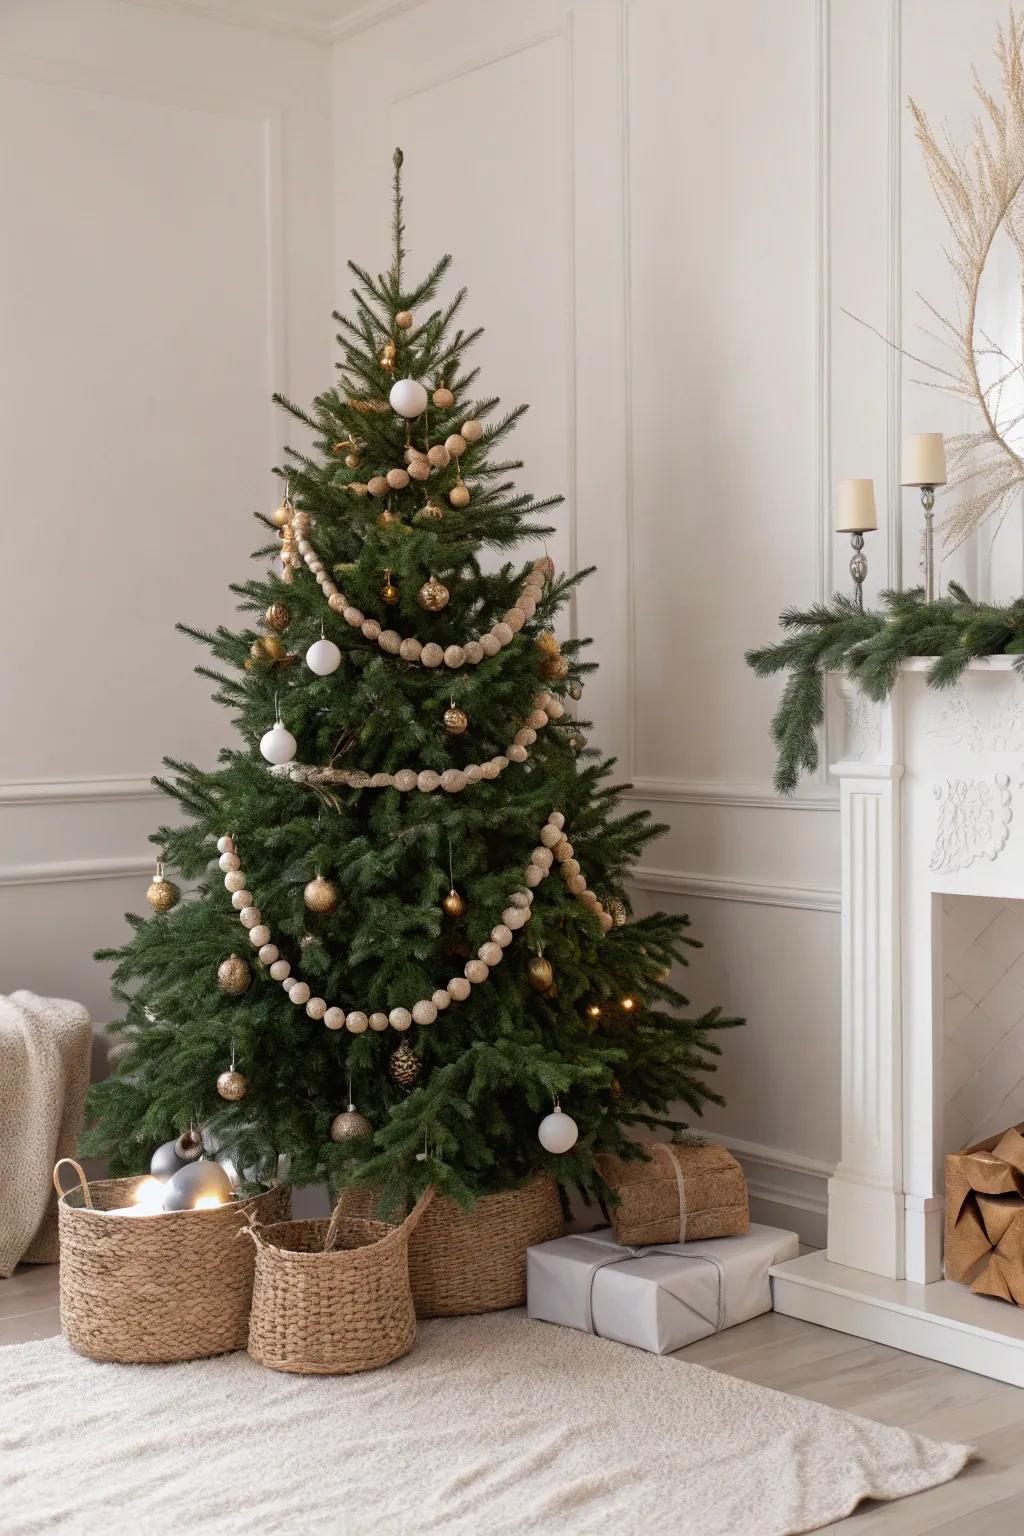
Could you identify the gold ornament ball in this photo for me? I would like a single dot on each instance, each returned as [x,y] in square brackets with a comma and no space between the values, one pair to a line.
[389,592]
[387,518]
[398,479]
[453,904]
[404,319]
[233,975]
[431,510]
[320,895]
[433,595]
[547,643]
[455,720]
[352,461]
[443,397]
[540,973]
[232,1086]
[554,667]
[403,1066]
[162,895]
[281,515]
[277,616]
[347,1126]
[377,485]
[459,495]
[575,690]
[438,456]
[616,910]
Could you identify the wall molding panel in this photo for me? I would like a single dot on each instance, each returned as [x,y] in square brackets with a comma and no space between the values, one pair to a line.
[677,882]
[77,791]
[73,871]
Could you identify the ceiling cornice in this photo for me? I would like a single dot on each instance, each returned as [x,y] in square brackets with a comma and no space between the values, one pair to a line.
[315,21]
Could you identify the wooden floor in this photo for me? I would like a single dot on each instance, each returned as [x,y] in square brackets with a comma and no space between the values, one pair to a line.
[781,1352]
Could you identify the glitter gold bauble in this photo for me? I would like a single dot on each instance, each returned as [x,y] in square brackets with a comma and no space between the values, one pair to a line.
[455,720]
[352,461]
[433,595]
[403,1066]
[547,643]
[387,357]
[232,1086]
[575,690]
[453,904]
[616,910]
[377,485]
[347,1126]
[432,511]
[540,973]
[554,667]
[387,518]
[282,514]
[389,592]
[443,397]
[404,319]
[233,975]
[459,495]
[320,895]
[162,894]
[277,616]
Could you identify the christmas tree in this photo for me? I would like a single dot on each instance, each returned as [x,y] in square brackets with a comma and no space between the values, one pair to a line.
[408,883]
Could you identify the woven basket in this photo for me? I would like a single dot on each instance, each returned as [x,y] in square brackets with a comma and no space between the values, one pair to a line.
[462,1262]
[150,1289]
[332,1297]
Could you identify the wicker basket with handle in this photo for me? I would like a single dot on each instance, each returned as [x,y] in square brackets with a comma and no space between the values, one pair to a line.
[151,1289]
[462,1262]
[332,1297]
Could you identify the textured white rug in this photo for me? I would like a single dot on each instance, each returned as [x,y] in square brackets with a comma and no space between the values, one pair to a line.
[493,1426]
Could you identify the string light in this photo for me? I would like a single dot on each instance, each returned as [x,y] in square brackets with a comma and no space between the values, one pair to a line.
[628,1004]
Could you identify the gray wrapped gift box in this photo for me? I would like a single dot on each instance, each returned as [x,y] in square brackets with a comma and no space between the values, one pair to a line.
[657,1298]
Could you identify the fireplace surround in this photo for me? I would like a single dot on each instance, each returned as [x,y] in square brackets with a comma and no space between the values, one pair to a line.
[931,787]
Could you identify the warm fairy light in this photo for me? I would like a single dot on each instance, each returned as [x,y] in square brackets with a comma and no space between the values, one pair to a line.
[593,1011]
[150,1194]
[207,1203]
[628,1004]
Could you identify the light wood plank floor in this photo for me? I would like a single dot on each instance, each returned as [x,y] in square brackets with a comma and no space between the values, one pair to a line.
[810,1362]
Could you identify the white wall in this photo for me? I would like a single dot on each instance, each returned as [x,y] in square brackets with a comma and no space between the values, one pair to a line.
[167,262]
[661,208]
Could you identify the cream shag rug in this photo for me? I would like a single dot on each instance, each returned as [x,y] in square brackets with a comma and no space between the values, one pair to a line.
[493,1426]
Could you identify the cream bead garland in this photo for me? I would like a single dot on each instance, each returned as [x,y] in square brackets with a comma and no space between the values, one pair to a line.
[554,846]
[453,780]
[500,635]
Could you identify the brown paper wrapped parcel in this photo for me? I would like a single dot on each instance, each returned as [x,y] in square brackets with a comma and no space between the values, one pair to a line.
[684,1192]
[985,1216]
[658,1298]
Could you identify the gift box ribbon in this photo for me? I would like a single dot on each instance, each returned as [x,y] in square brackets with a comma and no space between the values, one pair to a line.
[988,1229]
[621,1255]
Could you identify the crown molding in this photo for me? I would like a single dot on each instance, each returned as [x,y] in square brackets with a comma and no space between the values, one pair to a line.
[313,21]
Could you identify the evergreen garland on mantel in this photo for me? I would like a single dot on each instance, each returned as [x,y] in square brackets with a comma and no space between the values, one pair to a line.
[870,647]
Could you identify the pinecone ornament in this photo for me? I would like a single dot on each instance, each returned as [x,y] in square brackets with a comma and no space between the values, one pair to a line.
[404,1067]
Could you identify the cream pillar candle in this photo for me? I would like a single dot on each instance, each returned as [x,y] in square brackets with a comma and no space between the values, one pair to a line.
[855,507]
[924,459]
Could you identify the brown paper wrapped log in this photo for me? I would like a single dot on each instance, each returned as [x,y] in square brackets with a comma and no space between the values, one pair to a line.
[985,1216]
[683,1192]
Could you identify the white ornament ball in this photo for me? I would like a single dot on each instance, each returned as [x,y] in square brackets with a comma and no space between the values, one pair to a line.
[477,971]
[424,1012]
[323,658]
[268,954]
[241,899]
[259,935]
[225,844]
[459,989]
[278,745]
[408,398]
[299,993]
[378,1022]
[234,881]
[502,934]
[441,999]
[400,1018]
[356,1022]
[334,1018]
[558,1132]
[249,916]
[490,953]
[316,1008]
[431,654]
[280,969]
[228,861]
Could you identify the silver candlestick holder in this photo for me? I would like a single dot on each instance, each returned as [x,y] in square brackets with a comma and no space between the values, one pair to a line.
[924,468]
[928,503]
[858,569]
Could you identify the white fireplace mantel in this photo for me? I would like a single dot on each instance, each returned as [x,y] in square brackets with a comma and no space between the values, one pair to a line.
[931,806]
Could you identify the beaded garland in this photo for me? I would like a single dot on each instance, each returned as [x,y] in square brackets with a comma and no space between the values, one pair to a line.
[553,846]
[409,648]
[453,780]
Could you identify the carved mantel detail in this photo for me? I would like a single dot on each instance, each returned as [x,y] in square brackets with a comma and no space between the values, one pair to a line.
[974,818]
